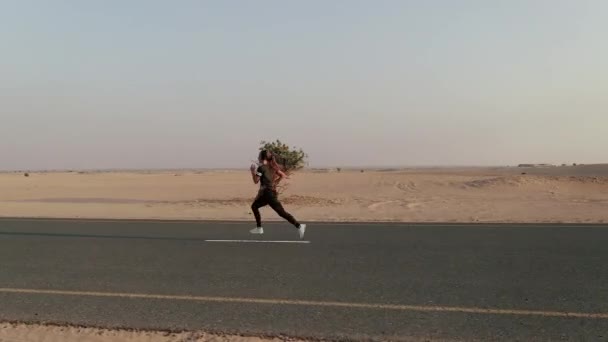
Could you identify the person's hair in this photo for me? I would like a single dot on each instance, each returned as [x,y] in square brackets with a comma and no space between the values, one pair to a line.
[270,158]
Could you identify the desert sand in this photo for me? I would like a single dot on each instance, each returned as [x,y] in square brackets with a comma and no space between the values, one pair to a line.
[556,194]
[43,333]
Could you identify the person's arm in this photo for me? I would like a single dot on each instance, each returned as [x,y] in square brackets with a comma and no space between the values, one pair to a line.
[255,174]
[282,175]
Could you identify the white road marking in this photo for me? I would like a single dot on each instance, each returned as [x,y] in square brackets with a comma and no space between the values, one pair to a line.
[332,304]
[257,241]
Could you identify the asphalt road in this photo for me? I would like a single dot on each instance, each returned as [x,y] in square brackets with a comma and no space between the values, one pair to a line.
[351,281]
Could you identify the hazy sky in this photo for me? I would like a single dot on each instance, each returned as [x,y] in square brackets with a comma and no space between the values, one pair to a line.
[161,84]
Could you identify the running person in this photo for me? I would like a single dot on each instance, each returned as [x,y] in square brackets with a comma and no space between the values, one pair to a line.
[269,174]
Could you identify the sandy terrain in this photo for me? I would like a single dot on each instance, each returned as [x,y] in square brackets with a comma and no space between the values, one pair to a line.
[561,194]
[41,333]
[564,194]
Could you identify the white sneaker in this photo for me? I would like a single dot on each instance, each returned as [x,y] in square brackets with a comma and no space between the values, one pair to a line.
[301,231]
[259,230]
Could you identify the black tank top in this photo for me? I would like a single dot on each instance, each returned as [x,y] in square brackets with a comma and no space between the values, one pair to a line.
[266,174]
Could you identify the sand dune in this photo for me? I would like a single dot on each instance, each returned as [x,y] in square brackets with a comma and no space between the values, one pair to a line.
[413,195]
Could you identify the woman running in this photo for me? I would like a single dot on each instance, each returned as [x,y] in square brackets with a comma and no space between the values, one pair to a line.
[269,174]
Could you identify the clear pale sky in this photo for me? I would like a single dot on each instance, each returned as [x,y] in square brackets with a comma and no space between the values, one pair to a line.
[169,84]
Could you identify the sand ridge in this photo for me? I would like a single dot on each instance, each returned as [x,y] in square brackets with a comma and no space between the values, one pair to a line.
[409,195]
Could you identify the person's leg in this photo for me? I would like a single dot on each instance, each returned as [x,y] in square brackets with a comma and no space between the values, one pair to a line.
[274,203]
[259,202]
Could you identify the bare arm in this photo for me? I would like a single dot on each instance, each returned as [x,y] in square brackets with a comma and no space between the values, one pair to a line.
[282,175]
[254,176]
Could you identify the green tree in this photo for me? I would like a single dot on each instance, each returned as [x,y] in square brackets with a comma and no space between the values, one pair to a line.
[290,159]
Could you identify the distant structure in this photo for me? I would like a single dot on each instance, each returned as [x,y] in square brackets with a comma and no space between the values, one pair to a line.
[535,165]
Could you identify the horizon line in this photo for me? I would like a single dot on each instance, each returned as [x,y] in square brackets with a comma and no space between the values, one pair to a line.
[369,167]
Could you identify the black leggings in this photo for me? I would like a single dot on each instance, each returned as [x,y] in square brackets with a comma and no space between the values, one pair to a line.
[267,197]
